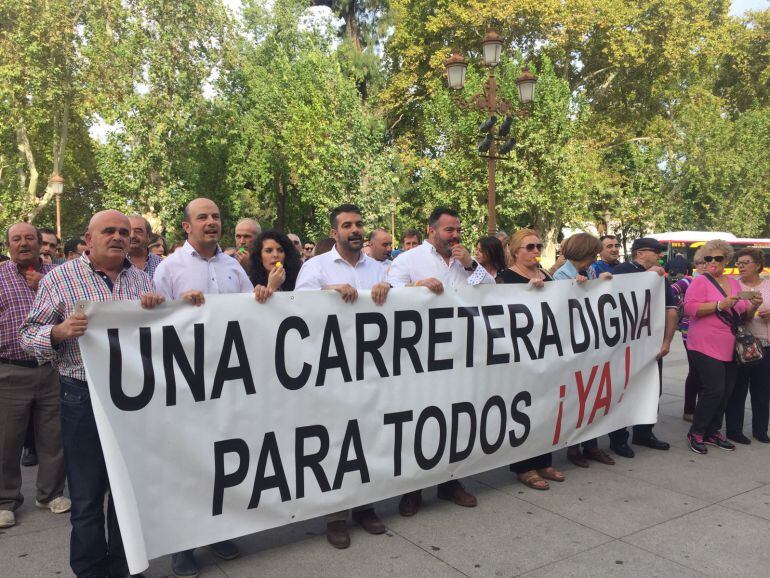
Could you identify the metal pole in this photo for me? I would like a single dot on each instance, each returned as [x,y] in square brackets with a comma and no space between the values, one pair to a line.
[58,216]
[491,201]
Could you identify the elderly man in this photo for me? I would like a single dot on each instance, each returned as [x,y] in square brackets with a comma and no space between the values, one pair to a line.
[28,389]
[440,261]
[246,232]
[197,269]
[609,257]
[138,252]
[50,333]
[345,269]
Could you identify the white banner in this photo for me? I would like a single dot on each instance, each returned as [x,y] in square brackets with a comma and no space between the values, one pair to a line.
[237,417]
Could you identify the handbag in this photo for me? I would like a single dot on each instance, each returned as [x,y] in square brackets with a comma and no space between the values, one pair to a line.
[748,349]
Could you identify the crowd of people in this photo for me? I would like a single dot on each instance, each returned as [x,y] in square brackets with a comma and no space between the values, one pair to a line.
[45,408]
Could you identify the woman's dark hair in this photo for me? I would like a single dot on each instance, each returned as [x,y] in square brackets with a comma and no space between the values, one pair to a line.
[493,248]
[679,266]
[292,262]
[754,254]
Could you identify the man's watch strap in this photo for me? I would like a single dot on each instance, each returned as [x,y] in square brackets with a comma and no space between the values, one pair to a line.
[473,266]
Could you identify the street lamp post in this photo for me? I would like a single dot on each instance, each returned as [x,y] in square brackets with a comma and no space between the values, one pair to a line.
[491,47]
[56,182]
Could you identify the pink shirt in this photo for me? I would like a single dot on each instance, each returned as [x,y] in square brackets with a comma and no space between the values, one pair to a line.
[759,326]
[710,335]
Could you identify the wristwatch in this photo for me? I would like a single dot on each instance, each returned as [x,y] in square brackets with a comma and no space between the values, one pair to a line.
[472,266]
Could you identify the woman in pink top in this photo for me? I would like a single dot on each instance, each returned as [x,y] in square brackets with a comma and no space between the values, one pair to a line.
[750,263]
[712,343]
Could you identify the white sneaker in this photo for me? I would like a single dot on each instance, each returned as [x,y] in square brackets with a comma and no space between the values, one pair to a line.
[7,519]
[58,505]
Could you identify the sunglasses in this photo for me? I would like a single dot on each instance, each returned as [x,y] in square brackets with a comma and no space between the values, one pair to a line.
[308,248]
[532,246]
[717,258]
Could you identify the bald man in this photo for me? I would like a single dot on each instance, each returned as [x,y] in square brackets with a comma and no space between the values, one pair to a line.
[50,334]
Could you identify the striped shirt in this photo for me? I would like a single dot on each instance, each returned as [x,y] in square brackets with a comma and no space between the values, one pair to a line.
[15,302]
[152,263]
[59,292]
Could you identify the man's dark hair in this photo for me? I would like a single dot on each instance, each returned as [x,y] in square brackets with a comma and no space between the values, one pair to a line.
[601,239]
[411,233]
[373,232]
[71,246]
[47,231]
[344,208]
[438,212]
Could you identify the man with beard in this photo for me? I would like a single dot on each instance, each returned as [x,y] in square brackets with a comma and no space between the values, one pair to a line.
[609,258]
[246,232]
[199,268]
[345,269]
[138,252]
[49,246]
[440,261]
[29,391]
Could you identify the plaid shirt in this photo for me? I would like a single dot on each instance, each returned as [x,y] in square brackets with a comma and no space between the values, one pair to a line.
[152,263]
[59,291]
[15,302]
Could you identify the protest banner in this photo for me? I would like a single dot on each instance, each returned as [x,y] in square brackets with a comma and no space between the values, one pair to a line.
[236,417]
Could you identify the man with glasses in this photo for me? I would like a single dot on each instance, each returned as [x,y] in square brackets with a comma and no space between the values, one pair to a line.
[609,257]
[645,254]
[307,250]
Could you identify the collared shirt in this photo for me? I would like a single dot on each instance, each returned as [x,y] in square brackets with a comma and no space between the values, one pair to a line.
[331,269]
[603,267]
[424,261]
[152,263]
[186,270]
[569,271]
[58,293]
[15,302]
[634,267]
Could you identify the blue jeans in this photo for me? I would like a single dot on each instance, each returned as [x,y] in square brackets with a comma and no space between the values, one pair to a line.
[91,554]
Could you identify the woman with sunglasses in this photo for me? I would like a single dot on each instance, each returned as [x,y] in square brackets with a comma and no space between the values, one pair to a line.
[711,300]
[525,247]
[754,378]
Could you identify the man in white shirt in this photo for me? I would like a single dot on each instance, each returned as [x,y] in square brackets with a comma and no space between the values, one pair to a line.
[346,269]
[196,269]
[440,261]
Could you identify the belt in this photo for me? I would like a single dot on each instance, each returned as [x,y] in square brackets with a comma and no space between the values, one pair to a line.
[23,362]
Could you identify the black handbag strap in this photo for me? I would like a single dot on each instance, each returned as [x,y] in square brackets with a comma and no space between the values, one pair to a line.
[731,317]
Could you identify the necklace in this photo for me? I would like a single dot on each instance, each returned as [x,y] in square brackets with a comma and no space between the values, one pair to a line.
[524,272]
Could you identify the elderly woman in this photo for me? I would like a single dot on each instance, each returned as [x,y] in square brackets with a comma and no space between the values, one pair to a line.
[754,378]
[525,247]
[711,302]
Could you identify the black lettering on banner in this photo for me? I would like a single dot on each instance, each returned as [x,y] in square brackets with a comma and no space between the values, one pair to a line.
[645,320]
[312,461]
[605,300]
[470,313]
[594,323]
[550,333]
[408,344]
[371,347]
[223,480]
[521,332]
[436,337]
[277,480]
[398,419]
[122,401]
[429,412]
[173,351]
[629,317]
[292,383]
[486,447]
[494,333]
[520,418]
[358,463]
[242,371]
[327,361]
[574,307]
[455,454]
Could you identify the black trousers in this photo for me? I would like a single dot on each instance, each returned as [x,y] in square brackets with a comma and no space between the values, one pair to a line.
[536,463]
[643,431]
[754,378]
[717,380]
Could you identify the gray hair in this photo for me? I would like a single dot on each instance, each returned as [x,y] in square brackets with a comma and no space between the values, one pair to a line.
[254,222]
[147,225]
[719,245]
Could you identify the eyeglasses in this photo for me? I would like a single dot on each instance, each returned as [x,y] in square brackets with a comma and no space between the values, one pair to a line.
[717,258]
[308,247]
[532,246]
[744,263]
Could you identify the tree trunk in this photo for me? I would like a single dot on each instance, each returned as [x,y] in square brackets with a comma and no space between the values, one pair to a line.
[280,222]
[352,29]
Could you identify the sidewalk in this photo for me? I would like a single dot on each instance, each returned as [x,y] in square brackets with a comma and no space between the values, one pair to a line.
[662,513]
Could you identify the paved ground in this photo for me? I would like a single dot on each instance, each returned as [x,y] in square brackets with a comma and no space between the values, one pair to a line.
[663,513]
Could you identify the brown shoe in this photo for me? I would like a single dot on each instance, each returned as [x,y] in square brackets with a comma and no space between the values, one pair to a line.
[454,492]
[410,503]
[599,455]
[337,534]
[576,457]
[369,521]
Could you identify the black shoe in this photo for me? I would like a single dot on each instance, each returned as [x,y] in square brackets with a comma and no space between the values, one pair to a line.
[623,450]
[720,442]
[739,438]
[697,444]
[651,442]
[226,550]
[183,564]
[762,438]
[28,458]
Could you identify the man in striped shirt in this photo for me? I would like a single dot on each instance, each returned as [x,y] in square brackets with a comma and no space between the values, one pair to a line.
[50,333]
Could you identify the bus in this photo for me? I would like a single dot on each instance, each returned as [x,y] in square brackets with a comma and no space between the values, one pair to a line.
[687,242]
